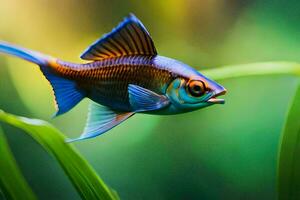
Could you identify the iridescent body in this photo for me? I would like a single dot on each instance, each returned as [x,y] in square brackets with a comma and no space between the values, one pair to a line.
[106,82]
[126,76]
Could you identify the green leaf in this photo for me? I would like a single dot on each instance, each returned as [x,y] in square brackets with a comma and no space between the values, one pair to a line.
[81,174]
[115,194]
[254,69]
[289,153]
[12,182]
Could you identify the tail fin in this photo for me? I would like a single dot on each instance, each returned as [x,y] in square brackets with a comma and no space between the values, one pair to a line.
[66,92]
[25,54]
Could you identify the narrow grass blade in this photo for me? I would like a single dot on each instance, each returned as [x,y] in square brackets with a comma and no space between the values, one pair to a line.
[254,69]
[115,194]
[83,177]
[289,153]
[12,182]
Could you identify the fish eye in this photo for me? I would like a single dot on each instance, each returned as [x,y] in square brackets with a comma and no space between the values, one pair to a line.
[196,88]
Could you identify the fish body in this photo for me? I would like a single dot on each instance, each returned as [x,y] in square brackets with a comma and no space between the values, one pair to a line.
[106,82]
[125,76]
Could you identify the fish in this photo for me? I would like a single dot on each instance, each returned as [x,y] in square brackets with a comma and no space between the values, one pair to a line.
[122,75]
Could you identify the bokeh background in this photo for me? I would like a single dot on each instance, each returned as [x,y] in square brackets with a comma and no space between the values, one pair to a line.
[221,152]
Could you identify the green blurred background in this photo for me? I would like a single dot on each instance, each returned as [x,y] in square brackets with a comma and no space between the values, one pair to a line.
[220,152]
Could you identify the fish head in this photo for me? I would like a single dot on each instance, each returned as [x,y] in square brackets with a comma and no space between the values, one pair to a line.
[194,92]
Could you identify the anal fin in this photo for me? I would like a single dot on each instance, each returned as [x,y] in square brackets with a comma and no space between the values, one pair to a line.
[101,119]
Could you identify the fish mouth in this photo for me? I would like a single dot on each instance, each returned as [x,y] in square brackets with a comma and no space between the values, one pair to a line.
[215,100]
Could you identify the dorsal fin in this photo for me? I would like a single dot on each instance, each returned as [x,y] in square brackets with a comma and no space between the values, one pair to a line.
[130,37]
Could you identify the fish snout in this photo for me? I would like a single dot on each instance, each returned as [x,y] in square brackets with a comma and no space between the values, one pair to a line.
[219,91]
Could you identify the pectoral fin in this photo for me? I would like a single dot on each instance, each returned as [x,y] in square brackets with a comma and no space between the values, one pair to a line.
[101,119]
[142,99]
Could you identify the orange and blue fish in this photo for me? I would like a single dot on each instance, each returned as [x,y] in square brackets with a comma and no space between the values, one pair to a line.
[124,76]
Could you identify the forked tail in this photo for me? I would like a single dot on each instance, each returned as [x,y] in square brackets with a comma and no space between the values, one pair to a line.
[66,92]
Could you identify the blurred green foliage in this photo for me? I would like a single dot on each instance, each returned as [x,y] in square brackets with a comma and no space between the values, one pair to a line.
[88,185]
[288,166]
[12,183]
[221,152]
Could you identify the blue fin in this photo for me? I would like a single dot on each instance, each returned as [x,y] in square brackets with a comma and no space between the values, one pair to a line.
[142,99]
[66,93]
[130,37]
[23,53]
[101,119]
